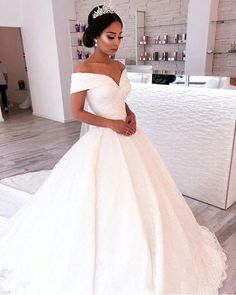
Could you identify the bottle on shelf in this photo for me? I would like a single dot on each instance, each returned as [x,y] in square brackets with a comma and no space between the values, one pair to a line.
[155,55]
[79,27]
[82,54]
[176,39]
[165,40]
[184,37]
[232,47]
[144,40]
[175,55]
[157,40]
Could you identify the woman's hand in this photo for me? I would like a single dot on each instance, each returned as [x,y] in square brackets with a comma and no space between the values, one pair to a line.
[131,120]
[123,127]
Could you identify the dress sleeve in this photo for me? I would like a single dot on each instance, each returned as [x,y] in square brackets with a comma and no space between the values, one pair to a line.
[80,82]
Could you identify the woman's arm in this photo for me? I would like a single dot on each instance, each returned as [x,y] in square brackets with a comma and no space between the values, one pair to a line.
[77,108]
[128,110]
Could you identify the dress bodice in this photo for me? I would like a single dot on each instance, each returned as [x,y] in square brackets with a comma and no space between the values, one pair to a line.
[104,96]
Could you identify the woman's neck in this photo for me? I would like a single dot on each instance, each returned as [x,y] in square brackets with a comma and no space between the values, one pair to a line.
[100,57]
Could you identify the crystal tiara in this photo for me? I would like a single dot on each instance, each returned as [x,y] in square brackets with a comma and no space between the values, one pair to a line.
[103,10]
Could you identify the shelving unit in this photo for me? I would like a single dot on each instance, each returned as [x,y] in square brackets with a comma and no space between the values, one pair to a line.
[145,52]
[75,47]
[222,57]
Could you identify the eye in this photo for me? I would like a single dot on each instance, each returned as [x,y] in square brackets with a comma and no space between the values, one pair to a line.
[121,37]
[109,37]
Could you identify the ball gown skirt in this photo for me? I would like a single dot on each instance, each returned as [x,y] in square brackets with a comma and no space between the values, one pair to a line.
[108,219]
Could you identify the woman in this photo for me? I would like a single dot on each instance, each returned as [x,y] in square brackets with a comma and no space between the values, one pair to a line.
[109,219]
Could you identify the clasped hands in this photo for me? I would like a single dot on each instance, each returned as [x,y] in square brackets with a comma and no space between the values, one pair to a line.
[127,127]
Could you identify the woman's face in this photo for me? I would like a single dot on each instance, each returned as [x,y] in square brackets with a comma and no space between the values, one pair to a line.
[110,38]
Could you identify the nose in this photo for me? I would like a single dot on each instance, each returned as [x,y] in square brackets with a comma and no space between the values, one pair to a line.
[116,41]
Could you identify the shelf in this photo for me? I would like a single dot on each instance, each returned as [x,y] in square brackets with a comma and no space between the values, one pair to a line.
[223,52]
[164,25]
[162,44]
[222,21]
[173,61]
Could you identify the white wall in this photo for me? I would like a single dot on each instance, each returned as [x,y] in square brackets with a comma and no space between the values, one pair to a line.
[200,36]
[10,13]
[38,33]
[63,11]
[47,50]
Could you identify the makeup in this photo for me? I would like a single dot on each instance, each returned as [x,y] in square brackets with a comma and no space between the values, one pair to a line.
[184,37]
[77,26]
[79,42]
[176,39]
[145,57]
[165,55]
[232,47]
[175,55]
[165,40]
[155,55]
[157,40]
[145,39]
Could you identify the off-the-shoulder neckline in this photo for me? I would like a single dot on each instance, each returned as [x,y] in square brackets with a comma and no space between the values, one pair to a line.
[102,75]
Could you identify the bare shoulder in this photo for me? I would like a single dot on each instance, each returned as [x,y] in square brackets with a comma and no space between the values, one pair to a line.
[82,67]
[120,64]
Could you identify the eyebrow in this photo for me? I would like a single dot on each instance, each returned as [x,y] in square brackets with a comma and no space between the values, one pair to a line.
[114,32]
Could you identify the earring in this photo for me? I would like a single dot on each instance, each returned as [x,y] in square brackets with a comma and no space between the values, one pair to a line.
[95,42]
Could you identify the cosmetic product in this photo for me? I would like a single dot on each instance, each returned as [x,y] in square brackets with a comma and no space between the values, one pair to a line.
[176,40]
[165,55]
[183,55]
[79,53]
[157,40]
[82,27]
[175,55]
[232,47]
[145,57]
[184,37]
[79,42]
[165,41]
[77,26]
[155,55]
[145,39]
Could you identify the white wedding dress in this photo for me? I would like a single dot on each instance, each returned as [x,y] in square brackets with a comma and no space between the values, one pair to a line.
[108,219]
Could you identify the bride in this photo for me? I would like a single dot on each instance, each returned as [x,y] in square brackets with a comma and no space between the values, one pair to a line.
[109,218]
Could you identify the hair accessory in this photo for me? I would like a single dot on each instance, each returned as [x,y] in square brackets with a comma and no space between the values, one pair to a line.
[106,8]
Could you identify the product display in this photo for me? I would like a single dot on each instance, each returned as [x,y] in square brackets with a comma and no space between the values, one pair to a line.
[159,48]
[232,47]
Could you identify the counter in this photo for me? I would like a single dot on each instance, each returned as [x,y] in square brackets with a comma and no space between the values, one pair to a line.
[193,129]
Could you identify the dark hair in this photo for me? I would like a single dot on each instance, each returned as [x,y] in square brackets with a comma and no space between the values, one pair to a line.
[97,25]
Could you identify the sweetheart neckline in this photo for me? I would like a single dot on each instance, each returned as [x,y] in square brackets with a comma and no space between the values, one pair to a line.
[117,84]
